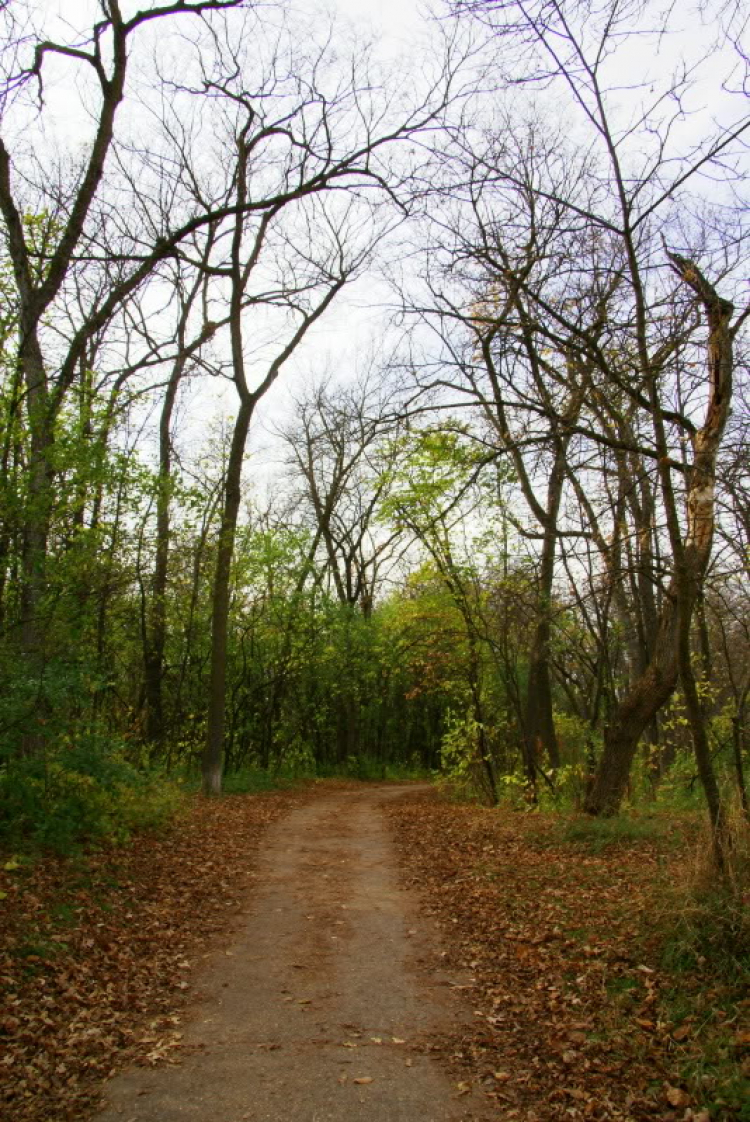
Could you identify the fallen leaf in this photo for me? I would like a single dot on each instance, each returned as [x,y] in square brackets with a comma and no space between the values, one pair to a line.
[676,1096]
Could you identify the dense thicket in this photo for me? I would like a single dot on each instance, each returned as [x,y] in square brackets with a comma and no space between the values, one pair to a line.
[516,551]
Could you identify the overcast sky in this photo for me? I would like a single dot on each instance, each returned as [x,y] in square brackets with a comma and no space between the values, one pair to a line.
[352,328]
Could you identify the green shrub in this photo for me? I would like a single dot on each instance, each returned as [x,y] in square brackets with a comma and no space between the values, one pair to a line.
[256,780]
[81,795]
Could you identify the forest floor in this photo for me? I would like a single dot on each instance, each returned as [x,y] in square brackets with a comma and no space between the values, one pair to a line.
[264,959]
[588,1002]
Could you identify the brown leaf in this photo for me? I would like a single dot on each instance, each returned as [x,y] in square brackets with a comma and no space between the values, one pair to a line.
[676,1096]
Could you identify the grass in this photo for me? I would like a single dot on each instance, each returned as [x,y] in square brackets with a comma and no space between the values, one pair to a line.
[599,835]
[703,925]
[706,956]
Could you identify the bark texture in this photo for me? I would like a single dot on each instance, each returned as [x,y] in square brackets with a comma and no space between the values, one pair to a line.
[655,685]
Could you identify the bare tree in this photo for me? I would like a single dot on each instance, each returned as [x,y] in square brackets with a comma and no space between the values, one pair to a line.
[628,195]
[340,449]
[297,125]
[42,271]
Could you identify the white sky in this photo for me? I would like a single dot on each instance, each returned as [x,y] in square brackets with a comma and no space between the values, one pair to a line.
[351,328]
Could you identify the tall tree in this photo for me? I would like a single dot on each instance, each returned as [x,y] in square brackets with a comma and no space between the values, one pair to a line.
[628,196]
[48,365]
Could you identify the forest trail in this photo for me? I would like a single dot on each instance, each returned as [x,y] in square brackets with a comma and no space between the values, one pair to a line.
[320,989]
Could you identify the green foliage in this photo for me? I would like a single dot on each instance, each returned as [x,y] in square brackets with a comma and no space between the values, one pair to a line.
[565,788]
[459,747]
[82,795]
[254,781]
[463,764]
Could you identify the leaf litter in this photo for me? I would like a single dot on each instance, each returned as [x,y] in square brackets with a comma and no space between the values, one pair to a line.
[559,950]
[97,952]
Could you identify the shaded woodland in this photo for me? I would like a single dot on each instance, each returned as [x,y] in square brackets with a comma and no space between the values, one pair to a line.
[511,547]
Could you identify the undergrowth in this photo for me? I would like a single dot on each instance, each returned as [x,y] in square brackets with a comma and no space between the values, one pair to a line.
[706,954]
[80,796]
[253,779]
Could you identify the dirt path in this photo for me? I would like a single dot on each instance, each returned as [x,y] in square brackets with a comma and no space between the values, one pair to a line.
[321,989]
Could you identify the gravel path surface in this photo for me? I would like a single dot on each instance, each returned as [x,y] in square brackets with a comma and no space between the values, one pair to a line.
[319,1010]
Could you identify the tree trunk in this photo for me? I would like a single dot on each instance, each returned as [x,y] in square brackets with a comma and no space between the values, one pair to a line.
[36,529]
[213,752]
[696,718]
[643,700]
[541,738]
[156,636]
[654,687]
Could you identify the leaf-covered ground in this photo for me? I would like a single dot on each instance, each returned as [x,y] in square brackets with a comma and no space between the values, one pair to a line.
[562,935]
[96,953]
[559,930]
